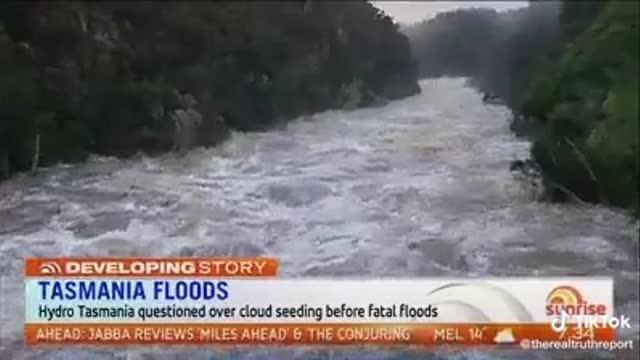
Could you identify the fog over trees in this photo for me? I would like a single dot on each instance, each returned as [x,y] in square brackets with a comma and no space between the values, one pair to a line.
[494,48]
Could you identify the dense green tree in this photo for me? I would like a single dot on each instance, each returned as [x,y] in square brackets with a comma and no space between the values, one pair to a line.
[588,103]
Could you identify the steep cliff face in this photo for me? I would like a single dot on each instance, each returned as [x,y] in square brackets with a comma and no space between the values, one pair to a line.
[113,78]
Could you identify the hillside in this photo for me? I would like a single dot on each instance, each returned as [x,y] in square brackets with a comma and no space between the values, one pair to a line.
[569,71]
[118,77]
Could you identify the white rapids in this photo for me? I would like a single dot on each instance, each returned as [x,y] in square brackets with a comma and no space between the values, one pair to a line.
[420,187]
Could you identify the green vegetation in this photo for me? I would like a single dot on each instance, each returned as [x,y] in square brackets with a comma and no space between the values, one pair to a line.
[588,105]
[571,70]
[118,77]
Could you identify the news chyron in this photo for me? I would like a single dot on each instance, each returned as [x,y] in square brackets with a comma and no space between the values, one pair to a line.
[181,301]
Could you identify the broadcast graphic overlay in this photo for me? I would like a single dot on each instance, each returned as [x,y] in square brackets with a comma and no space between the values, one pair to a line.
[242,301]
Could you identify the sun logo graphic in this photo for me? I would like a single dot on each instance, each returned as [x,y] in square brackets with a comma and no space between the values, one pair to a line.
[568,300]
[50,268]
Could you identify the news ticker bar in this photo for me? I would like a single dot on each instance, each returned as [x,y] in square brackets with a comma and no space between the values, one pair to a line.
[195,300]
[304,334]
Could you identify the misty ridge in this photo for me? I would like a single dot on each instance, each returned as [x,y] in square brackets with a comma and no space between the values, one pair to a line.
[495,49]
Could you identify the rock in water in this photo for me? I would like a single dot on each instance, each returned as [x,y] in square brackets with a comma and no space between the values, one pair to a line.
[186,124]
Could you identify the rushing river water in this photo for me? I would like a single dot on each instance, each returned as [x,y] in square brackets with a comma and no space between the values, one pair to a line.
[420,187]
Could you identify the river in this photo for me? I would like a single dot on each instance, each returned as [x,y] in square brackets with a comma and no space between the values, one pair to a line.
[419,187]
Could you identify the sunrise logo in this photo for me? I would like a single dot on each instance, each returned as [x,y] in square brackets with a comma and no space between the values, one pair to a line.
[567,300]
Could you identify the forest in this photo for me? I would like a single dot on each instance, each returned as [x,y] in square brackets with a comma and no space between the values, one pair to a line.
[569,72]
[116,78]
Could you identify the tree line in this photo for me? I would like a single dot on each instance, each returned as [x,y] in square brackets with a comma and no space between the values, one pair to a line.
[115,78]
[569,71]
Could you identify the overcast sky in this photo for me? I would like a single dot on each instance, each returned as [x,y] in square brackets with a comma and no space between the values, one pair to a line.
[408,12]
